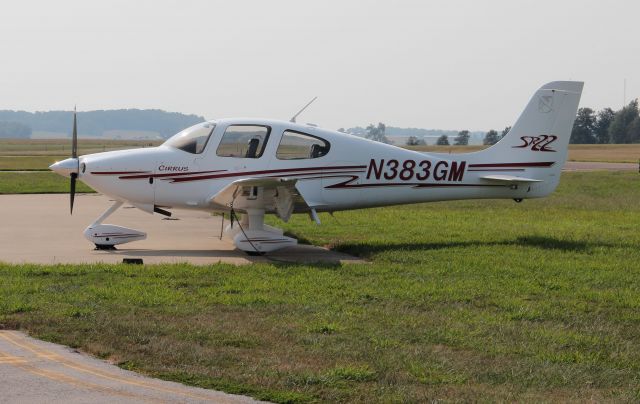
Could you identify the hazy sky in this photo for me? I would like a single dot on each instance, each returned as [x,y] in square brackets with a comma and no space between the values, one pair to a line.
[430,64]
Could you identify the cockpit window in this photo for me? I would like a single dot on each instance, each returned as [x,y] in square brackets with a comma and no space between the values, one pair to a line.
[297,145]
[192,140]
[244,141]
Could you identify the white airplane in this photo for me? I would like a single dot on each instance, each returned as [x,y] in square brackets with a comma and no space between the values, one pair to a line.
[257,166]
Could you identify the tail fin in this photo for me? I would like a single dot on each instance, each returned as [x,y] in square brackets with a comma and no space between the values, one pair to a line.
[538,143]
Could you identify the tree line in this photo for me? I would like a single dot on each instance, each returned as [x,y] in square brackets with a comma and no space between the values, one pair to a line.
[14,130]
[378,133]
[606,126]
[596,127]
[462,138]
[96,122]
[590,127]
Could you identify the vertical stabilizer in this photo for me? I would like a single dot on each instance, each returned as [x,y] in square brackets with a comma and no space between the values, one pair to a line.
[538,142]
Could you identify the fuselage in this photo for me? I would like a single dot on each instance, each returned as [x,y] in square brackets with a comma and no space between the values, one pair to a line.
[350,173]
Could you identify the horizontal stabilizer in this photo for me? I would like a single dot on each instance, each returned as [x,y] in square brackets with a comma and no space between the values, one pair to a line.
[509,179]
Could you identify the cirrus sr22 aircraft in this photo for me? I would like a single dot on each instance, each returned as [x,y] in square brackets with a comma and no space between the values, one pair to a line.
[257,167]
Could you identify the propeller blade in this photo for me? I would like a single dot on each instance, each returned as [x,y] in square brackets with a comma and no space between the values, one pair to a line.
[74,154]
[74,137]
[72,191]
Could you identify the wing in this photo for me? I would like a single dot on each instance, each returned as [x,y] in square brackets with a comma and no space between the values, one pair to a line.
[281,193]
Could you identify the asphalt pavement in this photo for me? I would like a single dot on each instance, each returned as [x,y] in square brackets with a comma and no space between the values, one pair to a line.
[38,229]
[34,371]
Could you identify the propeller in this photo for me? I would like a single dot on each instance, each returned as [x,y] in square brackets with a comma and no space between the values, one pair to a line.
[70,167]
[74,155]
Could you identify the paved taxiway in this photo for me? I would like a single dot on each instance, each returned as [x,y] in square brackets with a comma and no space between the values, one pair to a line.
[598,166]
[33,371]
[39,229]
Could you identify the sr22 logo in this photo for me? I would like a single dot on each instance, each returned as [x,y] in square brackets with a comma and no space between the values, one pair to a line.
[537,143]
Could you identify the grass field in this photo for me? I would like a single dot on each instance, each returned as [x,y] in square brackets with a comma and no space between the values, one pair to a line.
[37,183]
[615,153]
[464,301]
[28,163]
[62,147]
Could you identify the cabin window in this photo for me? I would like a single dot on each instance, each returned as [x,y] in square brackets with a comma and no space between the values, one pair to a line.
[244,141]
[193,139]
[297,145]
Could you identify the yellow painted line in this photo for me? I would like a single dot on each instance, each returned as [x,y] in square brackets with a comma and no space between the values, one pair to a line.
[41,352]
[60,377]
[4,358]
[12,360]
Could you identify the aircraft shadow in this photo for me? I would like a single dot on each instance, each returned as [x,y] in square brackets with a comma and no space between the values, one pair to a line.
[301,254]
[542,242]
[310,254]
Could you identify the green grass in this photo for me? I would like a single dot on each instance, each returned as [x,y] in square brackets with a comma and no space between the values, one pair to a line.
[28,163]
[463,301]
[609,153]
[62,147]
[37,182]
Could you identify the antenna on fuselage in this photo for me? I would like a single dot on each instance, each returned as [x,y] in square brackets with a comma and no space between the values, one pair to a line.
[303,108]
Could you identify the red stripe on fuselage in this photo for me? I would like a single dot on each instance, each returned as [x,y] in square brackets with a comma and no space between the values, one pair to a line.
[259,172]
[135,177]
[497,169]
[500,165]
[117,172]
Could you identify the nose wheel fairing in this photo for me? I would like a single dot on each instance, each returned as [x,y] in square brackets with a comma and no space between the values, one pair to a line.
[107,236]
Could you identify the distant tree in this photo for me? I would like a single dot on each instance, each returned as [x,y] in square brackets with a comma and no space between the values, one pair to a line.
[491,137]
[415,141]
[342,130]
[462,139]
[443,141]
[377,133]
[620,130]
[505,131]
[583,131]
[634,130]
[14,130]
[601,127]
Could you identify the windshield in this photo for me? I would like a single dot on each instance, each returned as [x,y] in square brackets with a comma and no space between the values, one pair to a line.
[192,140]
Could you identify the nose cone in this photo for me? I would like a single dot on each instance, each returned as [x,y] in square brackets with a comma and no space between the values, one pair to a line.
[65,167]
